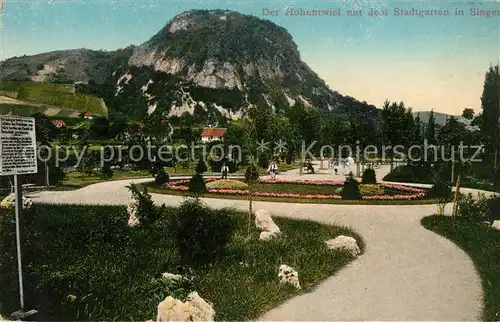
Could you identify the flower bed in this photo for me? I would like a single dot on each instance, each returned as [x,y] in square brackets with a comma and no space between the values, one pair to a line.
[404,192]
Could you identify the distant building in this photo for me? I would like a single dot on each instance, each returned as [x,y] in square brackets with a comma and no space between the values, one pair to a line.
[88,116]
[59,123]
[210,134]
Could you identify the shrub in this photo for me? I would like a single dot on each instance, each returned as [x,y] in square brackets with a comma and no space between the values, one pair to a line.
[473,208]
[161,177]
[369,176]
[264,161]
[201,167]
[197,184]
[441,188]
[251,173]
[417,174]
[496,177]
[227,184]
[494,208]
[106,171]
[146,211]
[350,191]
[201,235]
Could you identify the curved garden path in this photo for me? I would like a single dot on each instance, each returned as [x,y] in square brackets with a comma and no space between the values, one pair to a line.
[406,272]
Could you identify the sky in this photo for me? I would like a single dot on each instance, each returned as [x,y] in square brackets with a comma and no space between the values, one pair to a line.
[432,62]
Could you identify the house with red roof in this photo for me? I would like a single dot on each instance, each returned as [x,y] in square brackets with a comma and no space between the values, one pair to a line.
[59,123]
[210,134]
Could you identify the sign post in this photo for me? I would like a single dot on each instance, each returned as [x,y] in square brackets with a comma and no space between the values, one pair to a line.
[18,156]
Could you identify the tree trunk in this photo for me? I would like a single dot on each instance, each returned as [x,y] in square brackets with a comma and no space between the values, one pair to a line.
[495,162]
[301,164]
[457,193]
[452,172]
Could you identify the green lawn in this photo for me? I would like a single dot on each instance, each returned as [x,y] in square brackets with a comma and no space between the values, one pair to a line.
[478,176]
[482,244]
[115,272]
[284,188]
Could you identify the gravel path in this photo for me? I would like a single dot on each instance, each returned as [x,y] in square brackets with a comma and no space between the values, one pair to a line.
[406,273]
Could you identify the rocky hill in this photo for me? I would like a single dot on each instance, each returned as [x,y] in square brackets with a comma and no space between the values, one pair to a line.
[214,63]
[441,118]
[63,66]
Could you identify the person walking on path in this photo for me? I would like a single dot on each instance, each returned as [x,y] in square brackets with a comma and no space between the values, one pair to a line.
[272,170]
[225,171]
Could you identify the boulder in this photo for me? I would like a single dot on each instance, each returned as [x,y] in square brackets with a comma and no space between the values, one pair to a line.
[496,224]
[172,277]
[194,308]
[9,201]
[133,221]
[344,243]
[288,275]
[267,235]
[264,222]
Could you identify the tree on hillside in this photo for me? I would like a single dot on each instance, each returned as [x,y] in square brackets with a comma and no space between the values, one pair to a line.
[44,129]
[468,113]
[396,126]
[490,104]
[417,134]
[99,129]
[430,130]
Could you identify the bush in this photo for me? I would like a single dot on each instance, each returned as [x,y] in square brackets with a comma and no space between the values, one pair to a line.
[369,176]
[494,208]
[416,174]
[146,212]
[350,191]
[201,167]
[62,245]
[161,177]
[264,161]
[106,171]
[496,178]
[56,174]
[473,208]
[441,188]
[197,184]
[251,173]
[200,234]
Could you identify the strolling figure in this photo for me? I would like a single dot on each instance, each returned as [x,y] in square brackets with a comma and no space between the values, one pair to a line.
[272,170]
[224,170]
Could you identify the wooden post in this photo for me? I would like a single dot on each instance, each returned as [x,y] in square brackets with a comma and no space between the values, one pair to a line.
[457,193]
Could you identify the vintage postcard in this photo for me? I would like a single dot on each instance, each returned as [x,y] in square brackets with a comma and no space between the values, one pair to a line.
[236,160]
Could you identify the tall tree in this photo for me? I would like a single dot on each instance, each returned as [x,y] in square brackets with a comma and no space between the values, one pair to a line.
[396,126]
[468,113]
[430,130]
[490,104]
